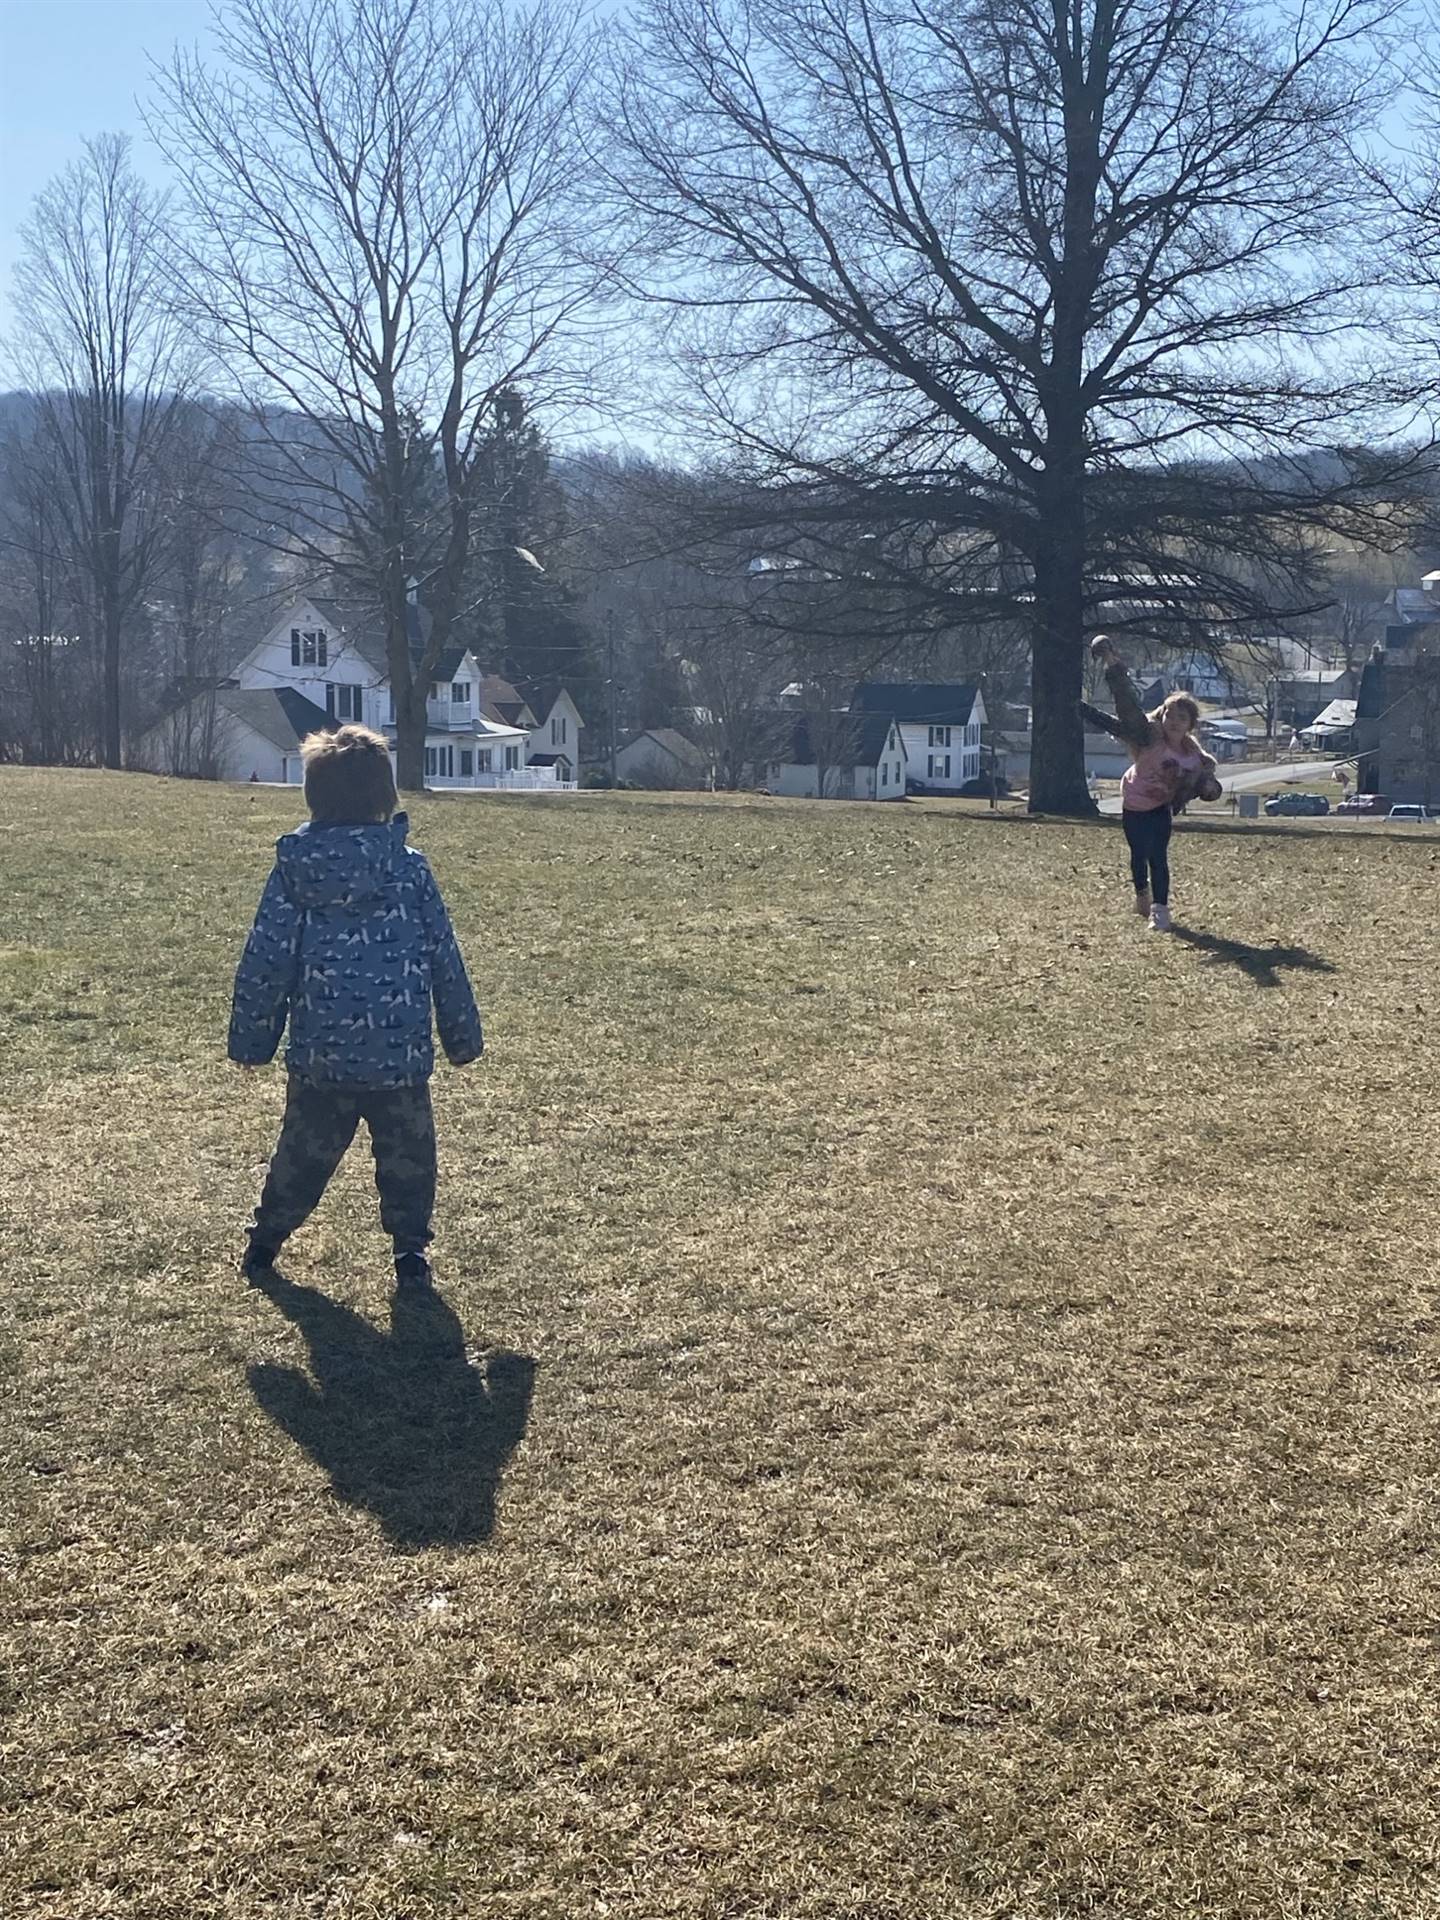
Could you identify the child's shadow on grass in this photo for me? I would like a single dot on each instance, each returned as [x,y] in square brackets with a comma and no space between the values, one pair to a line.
[1264,965]
[404,1424]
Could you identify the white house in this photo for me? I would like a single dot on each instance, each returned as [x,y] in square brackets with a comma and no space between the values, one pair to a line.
[869,761]
[323,663]
[939,726]
[1202,675]
[555,740]
[663,757]
[1105,757]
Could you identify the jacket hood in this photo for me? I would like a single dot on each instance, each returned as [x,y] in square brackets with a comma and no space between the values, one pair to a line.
[332,866]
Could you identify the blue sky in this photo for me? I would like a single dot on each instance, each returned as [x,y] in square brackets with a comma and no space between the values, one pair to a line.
[68,69]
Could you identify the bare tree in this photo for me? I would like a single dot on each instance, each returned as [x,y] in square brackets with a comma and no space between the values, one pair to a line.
[732,681]
[37,606]
[1409,180]
[204,578]
[1047,295]
[380,238]
[98,343]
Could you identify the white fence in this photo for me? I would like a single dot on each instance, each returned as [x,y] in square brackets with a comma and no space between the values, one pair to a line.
[516,780]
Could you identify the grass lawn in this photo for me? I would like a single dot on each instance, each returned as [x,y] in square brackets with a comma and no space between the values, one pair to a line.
[933,1413]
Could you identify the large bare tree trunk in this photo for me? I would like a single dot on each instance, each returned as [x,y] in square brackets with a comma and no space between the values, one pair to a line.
[1057,741]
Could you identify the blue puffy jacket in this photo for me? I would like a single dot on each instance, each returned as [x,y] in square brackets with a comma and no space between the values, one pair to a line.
[351,943]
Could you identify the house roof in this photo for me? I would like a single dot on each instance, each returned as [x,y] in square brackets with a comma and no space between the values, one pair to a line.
[926,702]
[481,728]
[278,714]
[542,696]
[448,665]
[862,742]
[1414,603]
[1320,678]
[1337,717]
[499,696]
[672,742]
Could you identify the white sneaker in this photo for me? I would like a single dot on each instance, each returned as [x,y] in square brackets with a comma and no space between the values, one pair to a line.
[1142,904]
[1160,919]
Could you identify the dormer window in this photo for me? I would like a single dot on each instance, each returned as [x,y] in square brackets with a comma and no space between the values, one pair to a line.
[460,693]
[308,647]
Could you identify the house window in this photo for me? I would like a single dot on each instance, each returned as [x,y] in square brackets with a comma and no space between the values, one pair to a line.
[460,693]
[308,647]
[467,763]
[440,763]
[884,775]
[512,759]
[939,736]
[482,759]
[343,703]
[946,774]
[557,731]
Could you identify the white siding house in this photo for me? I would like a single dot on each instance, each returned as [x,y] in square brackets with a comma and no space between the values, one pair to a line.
[555,741]
[664,758]
[939,724]
[1105,758]
[322,664]
[868,762]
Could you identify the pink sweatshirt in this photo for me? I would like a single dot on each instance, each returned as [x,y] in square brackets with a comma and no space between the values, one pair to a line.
[1157,773]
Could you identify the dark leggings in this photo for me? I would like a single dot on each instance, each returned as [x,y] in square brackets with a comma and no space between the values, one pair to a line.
[1149,836]
[319,1124]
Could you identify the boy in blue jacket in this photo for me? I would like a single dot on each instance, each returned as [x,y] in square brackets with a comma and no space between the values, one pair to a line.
[352,944]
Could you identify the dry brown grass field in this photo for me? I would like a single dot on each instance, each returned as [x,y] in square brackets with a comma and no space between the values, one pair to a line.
[932,1412]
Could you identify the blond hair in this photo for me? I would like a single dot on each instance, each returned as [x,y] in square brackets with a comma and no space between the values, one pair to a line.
[348,781]
[1170,703]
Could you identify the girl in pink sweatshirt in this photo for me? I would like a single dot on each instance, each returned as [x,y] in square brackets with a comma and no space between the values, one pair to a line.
[1168,768]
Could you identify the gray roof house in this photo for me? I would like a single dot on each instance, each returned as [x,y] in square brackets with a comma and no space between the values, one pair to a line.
[939,722]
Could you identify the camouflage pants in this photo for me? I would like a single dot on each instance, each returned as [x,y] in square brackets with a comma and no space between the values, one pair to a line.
[319,1125]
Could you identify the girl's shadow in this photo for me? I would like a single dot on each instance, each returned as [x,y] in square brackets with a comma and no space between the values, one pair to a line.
[1263,965]
[404,1423]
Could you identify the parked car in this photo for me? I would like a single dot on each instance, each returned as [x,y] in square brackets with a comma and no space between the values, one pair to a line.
[1374,804]
[980,789]
[1409,813]
[1297,803]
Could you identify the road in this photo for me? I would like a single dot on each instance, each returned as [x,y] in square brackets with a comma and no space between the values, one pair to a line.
[1248,778]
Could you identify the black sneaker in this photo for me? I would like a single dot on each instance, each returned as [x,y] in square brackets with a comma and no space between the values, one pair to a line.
[258,1264]
[413,1272]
